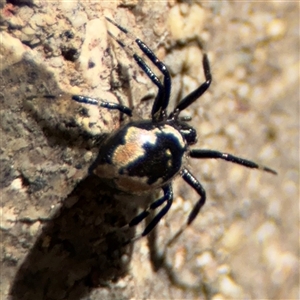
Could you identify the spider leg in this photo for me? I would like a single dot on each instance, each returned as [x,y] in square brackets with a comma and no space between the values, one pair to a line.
[196,185]
[185,119]
[193,96]
[157,113]
[161,103]
[164,90]
[109,105]
[167,197]
[197,153]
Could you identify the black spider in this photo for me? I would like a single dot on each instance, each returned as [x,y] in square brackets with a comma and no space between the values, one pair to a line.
[145,155]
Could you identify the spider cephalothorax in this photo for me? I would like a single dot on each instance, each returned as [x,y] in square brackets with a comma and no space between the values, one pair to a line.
[144,155]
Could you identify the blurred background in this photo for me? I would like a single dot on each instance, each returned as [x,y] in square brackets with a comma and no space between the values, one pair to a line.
[245,242]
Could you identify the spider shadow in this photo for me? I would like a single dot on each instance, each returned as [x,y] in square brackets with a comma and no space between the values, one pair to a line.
[159,261]
[77,249]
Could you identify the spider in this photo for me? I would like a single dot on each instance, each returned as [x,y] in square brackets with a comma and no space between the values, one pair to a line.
[145,155]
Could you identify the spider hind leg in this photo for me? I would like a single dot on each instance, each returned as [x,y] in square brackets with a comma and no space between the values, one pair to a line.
[196,185]
[167,197]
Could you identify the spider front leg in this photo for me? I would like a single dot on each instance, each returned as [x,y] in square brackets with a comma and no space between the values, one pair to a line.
[150,54]
[164,90]
[167,197]
[161,103]
[109,105]
[193,96]
[202,153]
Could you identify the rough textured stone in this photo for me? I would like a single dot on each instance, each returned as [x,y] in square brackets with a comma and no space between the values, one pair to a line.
[59,226]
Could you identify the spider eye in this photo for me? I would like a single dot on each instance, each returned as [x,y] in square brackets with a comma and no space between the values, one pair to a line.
[189,133]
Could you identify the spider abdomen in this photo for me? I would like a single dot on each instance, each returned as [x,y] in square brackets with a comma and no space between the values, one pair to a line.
[140,156]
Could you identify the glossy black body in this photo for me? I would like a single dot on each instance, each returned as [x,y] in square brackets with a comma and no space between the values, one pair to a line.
[145,155]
